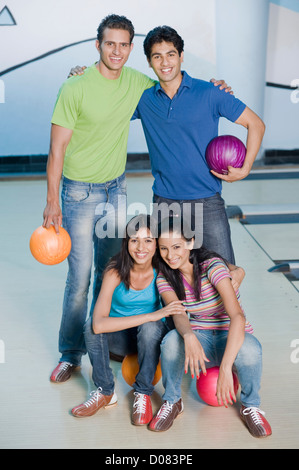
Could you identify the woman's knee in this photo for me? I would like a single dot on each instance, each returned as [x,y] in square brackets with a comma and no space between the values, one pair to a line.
[151,332]
[89,336]
[251,350]
[172,345]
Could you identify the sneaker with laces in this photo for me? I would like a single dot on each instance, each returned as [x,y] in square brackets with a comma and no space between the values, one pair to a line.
[94,404]
[62,372]
[255,420]
[166,415]
[142,409]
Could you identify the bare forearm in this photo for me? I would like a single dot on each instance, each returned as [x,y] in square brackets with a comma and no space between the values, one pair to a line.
[60,138]
[182,325]
[106,324]
[54,173]
[52,212]
[254,140]
[235,340]
[112,324]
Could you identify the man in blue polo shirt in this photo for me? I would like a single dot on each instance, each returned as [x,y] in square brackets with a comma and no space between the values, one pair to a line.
[180,116]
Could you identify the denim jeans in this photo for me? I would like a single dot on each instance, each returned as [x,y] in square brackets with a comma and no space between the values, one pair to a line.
[214,227]
[248,363]
[94,215]
[144,339]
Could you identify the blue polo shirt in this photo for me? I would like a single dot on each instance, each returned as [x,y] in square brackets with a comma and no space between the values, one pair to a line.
[178,131]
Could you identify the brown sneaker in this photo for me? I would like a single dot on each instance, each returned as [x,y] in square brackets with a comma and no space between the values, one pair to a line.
[142,409]
[166,415]
[94,404]
[62,372]
[255,421]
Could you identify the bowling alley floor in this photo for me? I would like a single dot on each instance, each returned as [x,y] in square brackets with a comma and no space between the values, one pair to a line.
[35,414]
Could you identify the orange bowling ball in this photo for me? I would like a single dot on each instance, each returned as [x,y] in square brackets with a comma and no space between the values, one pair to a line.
[48,247]
[130,369]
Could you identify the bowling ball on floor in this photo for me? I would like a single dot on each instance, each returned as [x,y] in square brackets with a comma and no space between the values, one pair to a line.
[206,386]
[130,369]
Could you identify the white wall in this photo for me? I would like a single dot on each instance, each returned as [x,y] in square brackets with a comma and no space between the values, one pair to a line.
[282,105]
[28,93]
[43,26]
[241,32]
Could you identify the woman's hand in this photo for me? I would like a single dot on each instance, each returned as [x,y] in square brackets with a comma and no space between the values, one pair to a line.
[194,355]
[225,387]
[175,307]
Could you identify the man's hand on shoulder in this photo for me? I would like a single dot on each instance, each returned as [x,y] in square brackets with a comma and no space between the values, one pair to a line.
[222,85]
[78,70]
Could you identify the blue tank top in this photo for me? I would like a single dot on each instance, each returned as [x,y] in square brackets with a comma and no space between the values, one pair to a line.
[127,302]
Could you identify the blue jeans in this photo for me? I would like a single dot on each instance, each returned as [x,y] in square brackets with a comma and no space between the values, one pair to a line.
[248,363]
[94,215]
[144,339]
[214,225]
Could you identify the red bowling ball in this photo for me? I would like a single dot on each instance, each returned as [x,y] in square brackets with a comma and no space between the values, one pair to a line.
[206,386]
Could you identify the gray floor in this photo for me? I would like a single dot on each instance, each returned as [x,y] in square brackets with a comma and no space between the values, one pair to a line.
[36,414]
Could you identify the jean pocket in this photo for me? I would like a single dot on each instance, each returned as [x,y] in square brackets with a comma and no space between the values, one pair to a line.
[214,202]
[72,194]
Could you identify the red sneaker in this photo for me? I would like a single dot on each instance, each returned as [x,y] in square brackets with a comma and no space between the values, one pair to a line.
[94,404]
[142,409]
[255,420]
[166,415]
[62,372]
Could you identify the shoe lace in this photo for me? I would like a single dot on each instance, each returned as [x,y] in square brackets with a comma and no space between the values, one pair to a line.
[165,409]
[139,403]
[255,414]
[64,366]
[95,395]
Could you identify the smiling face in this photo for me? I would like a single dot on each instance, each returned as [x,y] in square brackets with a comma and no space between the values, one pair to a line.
[175,250]
[142,246]
[114,52]
[166,62]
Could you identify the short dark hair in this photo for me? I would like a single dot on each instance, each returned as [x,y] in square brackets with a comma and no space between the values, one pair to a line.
[160,34]
[115,22]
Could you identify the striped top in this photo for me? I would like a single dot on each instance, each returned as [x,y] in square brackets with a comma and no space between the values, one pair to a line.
[209,311]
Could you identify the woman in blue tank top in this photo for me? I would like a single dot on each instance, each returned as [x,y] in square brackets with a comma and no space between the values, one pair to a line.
[128,317]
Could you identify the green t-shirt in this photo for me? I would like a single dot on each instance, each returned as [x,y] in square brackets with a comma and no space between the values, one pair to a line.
[98,111]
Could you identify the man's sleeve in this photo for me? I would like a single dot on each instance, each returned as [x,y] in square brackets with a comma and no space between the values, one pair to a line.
[135,115]
[226,105]
[66,108]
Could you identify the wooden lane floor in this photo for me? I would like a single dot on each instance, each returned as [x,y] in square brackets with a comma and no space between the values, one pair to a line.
[36,413]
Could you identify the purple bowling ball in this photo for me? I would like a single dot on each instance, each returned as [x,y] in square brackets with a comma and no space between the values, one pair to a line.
[224,151]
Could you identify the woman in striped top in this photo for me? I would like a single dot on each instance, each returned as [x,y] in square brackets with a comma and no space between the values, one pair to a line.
[214,332]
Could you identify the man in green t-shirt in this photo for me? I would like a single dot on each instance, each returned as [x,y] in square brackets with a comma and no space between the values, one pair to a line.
[89,134]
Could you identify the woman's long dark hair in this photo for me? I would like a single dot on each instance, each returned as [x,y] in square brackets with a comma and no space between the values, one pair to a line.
[122,262]
[197,256]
